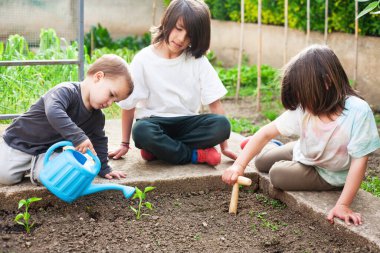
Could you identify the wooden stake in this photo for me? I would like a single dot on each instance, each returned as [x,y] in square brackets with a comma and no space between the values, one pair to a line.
[235,193]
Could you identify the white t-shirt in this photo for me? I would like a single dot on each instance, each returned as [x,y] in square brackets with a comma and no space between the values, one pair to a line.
[330,146]
[171,87]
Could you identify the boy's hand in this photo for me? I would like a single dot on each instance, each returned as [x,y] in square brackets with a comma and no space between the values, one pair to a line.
[118,153]
[226,151]
[115,174]
[87,144]
[344,213]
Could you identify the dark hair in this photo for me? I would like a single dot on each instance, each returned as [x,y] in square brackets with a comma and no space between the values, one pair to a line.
[112,66]
[315,80]
[196,19]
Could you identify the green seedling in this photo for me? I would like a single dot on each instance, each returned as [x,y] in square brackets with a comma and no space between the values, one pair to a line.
[142,196]
[197,236]
[270,202]
[266,223]
[24,218]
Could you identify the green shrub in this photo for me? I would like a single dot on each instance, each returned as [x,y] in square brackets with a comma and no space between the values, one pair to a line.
[102,38]
[341,14]
[270,86]
[21,86]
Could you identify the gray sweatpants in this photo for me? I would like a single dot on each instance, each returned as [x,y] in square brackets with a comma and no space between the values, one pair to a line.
[289,175]
[15,164]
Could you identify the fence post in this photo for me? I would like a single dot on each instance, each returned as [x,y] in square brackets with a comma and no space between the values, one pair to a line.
[307,22]
[326,20]
[258,105]
[240,49]
[285,31]
[81,41]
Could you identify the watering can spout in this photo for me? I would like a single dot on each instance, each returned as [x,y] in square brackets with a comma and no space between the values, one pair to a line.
[93,188]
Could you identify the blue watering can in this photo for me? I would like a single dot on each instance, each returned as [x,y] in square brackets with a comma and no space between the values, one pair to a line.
[69,177]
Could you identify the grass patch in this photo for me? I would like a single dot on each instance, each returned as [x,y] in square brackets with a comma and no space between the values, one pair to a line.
[371,185]
[243,126]
[377,119]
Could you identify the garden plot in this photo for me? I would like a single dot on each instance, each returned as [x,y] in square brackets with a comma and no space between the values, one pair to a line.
[179,222]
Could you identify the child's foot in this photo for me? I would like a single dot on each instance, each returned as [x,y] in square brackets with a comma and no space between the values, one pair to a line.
[209,155]
[147,156]
[243,143]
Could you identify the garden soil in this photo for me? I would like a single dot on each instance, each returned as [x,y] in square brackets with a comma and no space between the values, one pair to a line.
[187,222]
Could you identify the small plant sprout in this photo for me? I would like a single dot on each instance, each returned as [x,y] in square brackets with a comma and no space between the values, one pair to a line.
[142,196]
[24,218]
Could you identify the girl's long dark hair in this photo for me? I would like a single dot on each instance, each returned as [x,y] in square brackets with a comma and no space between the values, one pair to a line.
[196,19]
[315,80]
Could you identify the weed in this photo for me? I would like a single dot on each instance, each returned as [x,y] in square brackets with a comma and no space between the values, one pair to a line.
[197,236]
[142,196]
[253,228]
[266,223]
[24,218]
[372,185]
[177,203]
[270,202]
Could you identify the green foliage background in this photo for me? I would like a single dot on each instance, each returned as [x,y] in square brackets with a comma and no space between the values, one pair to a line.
[341,14]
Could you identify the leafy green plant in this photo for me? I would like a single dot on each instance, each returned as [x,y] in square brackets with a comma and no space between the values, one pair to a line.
[266,223]
[340,16]
[270,88]
[99,37]
[372,185]
[243,126]
[141,195]
[197,237]
[23,85]
[24,218]
[369,8]
[271,115]
[270,202]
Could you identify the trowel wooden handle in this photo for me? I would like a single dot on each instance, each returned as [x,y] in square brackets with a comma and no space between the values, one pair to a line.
[235,193]
[234,199]
[244,181]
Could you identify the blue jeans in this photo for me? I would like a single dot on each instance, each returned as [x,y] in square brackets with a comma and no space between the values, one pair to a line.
[172,139]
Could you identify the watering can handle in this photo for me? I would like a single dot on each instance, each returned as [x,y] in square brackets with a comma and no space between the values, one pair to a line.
[68,143]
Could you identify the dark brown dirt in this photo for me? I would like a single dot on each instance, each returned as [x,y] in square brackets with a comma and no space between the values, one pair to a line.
[189,222]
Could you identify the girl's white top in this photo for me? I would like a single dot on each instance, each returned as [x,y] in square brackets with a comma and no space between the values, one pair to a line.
[171,87]
[329,147]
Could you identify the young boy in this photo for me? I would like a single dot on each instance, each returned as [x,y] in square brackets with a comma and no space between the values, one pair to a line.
[69,111]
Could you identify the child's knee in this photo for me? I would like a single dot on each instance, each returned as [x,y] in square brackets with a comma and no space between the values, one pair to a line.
[222,127]
[9,179]
[140,130]
[278,177]
[261,163]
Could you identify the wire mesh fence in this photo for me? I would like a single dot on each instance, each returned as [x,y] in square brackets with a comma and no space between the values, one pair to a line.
[41,45]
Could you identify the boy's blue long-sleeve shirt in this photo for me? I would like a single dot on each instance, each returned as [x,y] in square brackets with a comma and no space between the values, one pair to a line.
[58,115]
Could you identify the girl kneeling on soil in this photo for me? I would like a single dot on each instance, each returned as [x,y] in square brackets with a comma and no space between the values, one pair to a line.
[69,111]
[172,79]
[336,127]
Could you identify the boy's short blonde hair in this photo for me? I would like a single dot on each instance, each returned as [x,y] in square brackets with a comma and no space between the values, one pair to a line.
[112,66]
